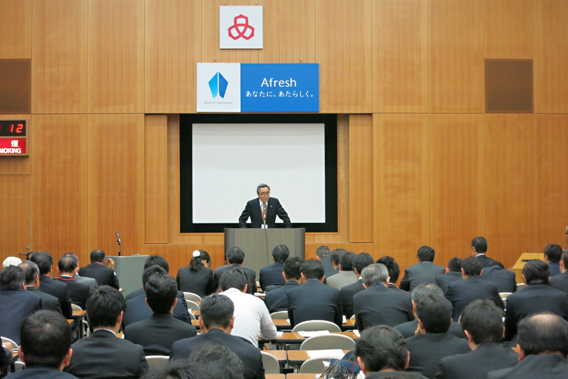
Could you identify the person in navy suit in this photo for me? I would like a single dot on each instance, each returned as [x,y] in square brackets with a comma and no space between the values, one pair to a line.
[560,282]
[505,280]
[552,255]
[346,293]
[79,292]
[99,271]
[479,250]
[425,271]
[277,299]
[263,210]
[453,273]
[47,284]
[235,257]
[271,276]
[31,271]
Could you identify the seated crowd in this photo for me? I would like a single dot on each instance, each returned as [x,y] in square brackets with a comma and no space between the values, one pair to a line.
[440,322]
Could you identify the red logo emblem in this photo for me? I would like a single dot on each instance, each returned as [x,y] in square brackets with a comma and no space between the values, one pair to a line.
[241,28]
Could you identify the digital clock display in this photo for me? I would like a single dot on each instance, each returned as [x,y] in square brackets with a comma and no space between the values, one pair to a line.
[12,128]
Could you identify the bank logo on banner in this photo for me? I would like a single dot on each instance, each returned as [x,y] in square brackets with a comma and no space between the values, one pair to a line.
[240,27]
[218,87]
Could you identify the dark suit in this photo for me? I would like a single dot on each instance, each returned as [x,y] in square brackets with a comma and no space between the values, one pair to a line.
[199,282]
[461,293]
[477,363]
[42,372]
[249,355]
[15,305]
[314,301]
[444,280]
[251,275]
[139,291]
[535,366]
[60,291]
[427,350]
[158,333]
[138,310]
[560,282]
[378,305]
[504,279]
[329,270]
[79,291]
[408,328]
[534,298]
[253,210]
[423,272]
[103,275]
[395,374]
[103,355]
[48,302]
[277,299]
[271,275]
[346,295]
[488,262]
[554,268]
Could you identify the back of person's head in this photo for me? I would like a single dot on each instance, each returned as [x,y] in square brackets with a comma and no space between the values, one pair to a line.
[312,269]
[392,267]
[382,347]
[543,333]
[151,271]
[471,266]
[292,268]
[43,260]
[336,255]
[455,264]
[11,261]
[483,320]
[196,260]
[161,292]
[323,251]
[179,369]
[104,306]
[426,254]
[12,278]
[361,261]
[536,272]
[374,274]
[479,244]
[235,255]
[205,257]
[217,311]
[97,256]
[219,361]
[31,271]
[67,263]
[435,313]
[553,252]
[45,339]
[280,253]
[346,261]
[425,289]
[235,277]
[156,260]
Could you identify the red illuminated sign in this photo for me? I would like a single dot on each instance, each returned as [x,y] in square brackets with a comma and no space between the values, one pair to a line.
[12,146]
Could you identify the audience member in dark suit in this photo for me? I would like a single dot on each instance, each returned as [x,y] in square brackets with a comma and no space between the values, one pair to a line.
[432,341]
[271,276]
[45,346]
[543,346]
[263,210]
[463,292]
[15,302]
[335,258]
[277,300]
[453,274]
[91,282]
[346,293]
[102,354]
[44,262]
[478,250]
[482,322]
[216,322]
[137,309]
[425,271]
[79,292]
[158,333]
[408,329]
[393,269]
[536,297]
[382,348]
[346,275]
[323,254]
[560,282]
[98,270]
[218,360]
[552,255]
[505,280]
[183,368]
[377,304]
[313,300]
[31,271]
[196,277]
[235,257]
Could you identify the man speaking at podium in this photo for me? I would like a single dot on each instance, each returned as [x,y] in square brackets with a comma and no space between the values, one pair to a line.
[263,211]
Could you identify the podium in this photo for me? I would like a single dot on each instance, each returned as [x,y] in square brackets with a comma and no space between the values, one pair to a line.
[129,271]
[523,259]
[259,243]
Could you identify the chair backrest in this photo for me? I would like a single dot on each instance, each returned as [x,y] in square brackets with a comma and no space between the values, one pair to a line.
[280,315]
[270,363]
[191,315]
[504,296]
[157,361]
[330,341]
[314,325]
[191,296]
[192,305]
[14,344]
[75,307]
[520,286]
[314,365]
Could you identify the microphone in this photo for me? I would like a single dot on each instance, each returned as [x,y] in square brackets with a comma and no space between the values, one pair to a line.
[118,241]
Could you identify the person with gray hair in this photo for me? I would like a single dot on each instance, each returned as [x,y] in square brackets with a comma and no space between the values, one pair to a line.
[377,304]
[31,271]
[11,261]
[263,210]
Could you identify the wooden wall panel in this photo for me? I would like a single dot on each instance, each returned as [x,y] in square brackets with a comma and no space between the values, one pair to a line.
[59,56]
[172,48]
[16,29]
[343,49]
[400,56]
[156,178]
[401,185]
[15,220]
[456,56]
[116,56]
[511,186]
[457,183]
[550,56]
[508,29]
[289,31]
[17,165]
[360,178]
[116,182]
[552,180]
[59,184]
